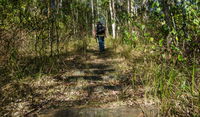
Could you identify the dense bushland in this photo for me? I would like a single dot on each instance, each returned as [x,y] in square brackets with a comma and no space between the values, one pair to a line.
[35,34]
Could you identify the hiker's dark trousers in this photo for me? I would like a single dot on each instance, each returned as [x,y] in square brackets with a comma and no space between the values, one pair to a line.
[101,43]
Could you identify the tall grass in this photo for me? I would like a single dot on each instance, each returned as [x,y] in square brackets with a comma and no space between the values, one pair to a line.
[174,83]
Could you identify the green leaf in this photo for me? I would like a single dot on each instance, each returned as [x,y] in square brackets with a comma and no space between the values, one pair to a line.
[158,9]
[180,58]
[143,27]
[173,31]
[195,21]
[161,42]
[175,48]
[153,47]
[177,39]
[146,34]
[163,22]
[151,39]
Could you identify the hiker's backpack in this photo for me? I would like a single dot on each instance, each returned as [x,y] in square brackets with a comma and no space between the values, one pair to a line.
[100,29]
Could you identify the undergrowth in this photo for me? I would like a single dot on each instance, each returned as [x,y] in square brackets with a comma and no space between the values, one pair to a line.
[17,75]
[175,83]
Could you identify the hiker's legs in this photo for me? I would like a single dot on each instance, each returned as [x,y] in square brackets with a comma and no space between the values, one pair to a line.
[101,43]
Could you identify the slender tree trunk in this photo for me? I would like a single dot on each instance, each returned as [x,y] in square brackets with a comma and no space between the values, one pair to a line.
[128,11]
[52,20]
[113,17]
[97,7]
[60,4]
[128,6]
[107,29]
[131,7]
[49,20]
[93,25]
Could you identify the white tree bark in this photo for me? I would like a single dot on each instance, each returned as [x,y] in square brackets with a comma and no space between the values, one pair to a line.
[113,17]
[132,7]
[97,6]
[128,6]
[60,5]
[93,25]
[128,10]
[107,30]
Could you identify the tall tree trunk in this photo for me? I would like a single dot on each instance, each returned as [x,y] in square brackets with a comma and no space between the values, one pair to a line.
[113,17]
[131,7]
[93,25]
[97,7]
[128,6]
[128,11]
[107,29]
[51,35]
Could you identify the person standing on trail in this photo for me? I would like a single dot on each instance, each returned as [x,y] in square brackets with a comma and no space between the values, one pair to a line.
[100,35]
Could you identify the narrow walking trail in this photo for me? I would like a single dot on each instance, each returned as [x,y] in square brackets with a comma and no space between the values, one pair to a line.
[95,85]
[88,84]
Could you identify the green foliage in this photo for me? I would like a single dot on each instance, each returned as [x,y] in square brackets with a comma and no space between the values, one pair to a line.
[35,33]
[129,38]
